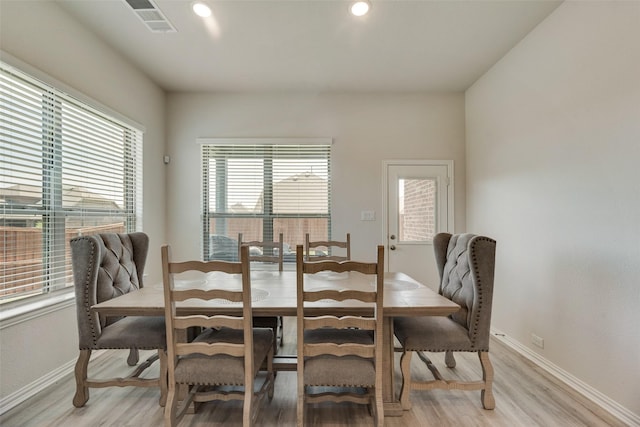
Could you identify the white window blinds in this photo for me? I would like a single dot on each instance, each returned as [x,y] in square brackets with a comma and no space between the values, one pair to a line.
[262,190]
[67,170]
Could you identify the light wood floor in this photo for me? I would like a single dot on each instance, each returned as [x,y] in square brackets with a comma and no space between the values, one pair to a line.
[524,397]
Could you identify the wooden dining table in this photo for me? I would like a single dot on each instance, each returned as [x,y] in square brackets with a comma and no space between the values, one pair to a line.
[273,293]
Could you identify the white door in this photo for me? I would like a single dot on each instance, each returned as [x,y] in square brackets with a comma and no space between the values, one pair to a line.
[418,205]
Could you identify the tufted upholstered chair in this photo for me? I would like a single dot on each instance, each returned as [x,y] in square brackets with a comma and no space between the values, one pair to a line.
[466,266]
[104,267]
[339,349]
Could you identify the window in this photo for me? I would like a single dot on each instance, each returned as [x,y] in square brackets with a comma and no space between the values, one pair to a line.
[262,189]
[67,170]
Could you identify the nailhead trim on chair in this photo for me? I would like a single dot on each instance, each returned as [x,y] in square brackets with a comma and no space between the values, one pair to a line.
[474,259]
[87,308]
[476,322]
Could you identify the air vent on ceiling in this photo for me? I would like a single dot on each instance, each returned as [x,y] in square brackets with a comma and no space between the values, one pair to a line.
[151,16]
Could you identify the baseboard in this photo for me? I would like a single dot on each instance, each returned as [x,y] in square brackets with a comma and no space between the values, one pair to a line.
[14,399]
[612,407]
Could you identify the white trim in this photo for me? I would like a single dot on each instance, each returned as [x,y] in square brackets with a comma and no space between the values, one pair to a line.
[385,187]
[450,187]
[265,141]
[24,312]
[606,403]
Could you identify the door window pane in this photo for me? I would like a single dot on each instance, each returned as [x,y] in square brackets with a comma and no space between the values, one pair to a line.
[417,205]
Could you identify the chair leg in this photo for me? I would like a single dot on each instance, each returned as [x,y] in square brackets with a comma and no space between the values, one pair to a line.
[405,367]
[134,357]
[171,407]
[379,419]
[247,408]
[82,391]
[271,376]
[300,405]
[281,331]
[162,378]
[449,360]
[488,401]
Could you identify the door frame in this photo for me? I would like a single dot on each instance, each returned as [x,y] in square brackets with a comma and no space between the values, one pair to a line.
[385,191]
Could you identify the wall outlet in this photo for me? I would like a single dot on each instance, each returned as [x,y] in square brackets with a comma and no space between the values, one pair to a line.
[537,341]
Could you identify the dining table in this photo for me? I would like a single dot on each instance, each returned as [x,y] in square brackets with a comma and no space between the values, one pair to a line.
[273,293]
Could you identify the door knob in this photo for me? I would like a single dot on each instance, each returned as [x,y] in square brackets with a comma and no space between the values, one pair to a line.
[392,247]
[392,237]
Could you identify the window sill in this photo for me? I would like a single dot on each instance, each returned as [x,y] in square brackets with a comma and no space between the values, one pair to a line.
[23,312]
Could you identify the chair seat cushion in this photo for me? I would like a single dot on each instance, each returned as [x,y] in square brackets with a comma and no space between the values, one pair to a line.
[339,371]
[329,370]
[223,369]
[141,332]
[432,333]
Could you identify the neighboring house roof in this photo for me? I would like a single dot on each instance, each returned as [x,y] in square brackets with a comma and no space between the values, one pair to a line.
[301,193]
[21,194]
[81,197]
[24,194]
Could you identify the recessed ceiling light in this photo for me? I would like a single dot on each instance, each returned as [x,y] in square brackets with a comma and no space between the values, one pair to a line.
[201,9]
[360,7]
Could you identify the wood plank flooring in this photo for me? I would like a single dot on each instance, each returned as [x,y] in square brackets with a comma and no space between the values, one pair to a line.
[525,396]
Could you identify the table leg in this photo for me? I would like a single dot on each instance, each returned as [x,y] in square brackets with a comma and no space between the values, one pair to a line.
[392,407]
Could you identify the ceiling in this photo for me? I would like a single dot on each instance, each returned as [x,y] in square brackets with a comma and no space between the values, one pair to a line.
[316,45]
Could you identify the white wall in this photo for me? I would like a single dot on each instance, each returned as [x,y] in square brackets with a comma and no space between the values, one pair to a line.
[367,129]
[43,36]
[553,146]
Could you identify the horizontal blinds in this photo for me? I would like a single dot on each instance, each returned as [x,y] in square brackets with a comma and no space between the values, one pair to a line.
[66,170]
[261,190]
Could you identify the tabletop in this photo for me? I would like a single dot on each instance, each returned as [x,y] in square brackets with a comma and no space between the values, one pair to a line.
[274,294]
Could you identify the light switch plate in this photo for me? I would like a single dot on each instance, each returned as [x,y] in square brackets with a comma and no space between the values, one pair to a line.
[368,216]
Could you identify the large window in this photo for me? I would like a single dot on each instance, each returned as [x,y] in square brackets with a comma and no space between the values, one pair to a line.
[262,190]
[66,170]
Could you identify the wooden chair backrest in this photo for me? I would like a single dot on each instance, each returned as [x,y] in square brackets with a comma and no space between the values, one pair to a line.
[177,323]
[341,317]
[328,244]
[269,250]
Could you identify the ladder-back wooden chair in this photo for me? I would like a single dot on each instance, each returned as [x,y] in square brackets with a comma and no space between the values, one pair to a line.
[104,267]
[466,264]
[223,361]
[323,250]
[269,252]
[340,348]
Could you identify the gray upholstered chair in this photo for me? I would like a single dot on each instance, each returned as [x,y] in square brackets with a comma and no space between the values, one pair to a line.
[466,266]
[340,351]
[104,267]
[224,360]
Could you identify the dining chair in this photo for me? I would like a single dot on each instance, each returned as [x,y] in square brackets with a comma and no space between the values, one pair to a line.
[223,361]
[104,267]
[324,250]
[338,347]
[263,250]
[466,264]
[269,252]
